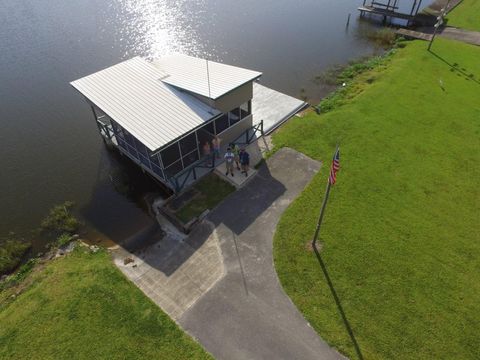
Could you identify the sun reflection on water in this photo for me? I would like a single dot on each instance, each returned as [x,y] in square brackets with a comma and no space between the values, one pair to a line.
[153,28]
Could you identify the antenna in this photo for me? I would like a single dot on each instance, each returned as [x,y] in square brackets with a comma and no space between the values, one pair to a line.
[208,79]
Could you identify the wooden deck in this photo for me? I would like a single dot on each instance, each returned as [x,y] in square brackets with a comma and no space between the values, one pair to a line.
[384,12]
[414,34]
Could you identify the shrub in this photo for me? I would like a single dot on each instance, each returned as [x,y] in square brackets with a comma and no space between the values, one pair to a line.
[19,276]
[384,37]
[12,251]
[339,96]
[60,221]
[64,239]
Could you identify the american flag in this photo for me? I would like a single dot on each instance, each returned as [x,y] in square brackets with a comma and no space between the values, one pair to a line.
[335,167]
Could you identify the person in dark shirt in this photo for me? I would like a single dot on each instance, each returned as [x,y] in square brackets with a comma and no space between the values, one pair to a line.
[244,161]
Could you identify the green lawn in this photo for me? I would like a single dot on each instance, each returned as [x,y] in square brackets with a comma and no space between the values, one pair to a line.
[401,235]
[466,15]
[82,307]
[211,191]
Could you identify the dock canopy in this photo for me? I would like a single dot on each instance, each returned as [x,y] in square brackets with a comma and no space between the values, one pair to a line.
[133,95]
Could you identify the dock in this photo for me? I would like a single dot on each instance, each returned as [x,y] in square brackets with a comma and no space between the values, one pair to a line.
[384,12]
[414,34]
[388,9]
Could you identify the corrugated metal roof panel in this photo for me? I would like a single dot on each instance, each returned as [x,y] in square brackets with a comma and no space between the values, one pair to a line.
[154,112]
[190,73]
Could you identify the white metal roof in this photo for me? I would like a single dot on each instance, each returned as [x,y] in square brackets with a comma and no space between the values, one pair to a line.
[190,73]
[132,94]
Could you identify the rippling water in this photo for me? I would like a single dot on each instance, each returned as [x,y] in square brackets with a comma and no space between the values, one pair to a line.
[49,147]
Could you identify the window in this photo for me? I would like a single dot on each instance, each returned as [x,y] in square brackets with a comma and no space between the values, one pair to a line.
[188,143]
[203,137]
[129,138]
[122,143]
[174,168]
[170,155]
[190,158]
[117,130]
[245,109]
[234,116]
[141,148]
[145,161]
[221,123]
[154,159]
[157,170]
[209,128]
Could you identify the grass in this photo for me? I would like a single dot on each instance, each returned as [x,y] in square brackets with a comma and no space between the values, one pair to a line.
[81,307]
[211,191]
[401,234]
[12,251]
[466,15]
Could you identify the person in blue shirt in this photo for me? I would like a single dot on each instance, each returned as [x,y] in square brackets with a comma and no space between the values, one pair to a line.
[244,160]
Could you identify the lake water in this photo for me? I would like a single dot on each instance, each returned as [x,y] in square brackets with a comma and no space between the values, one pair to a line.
[50,150]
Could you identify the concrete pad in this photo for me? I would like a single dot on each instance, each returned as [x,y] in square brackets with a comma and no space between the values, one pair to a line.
[256,150]
[273,107]
[175,271]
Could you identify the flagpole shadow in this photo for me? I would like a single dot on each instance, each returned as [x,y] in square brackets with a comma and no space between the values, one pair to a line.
[337,301]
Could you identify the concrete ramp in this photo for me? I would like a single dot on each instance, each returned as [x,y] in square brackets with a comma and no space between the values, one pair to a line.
[273,107]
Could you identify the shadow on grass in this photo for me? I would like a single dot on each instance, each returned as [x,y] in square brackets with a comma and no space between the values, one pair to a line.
[455,67]
[337,301]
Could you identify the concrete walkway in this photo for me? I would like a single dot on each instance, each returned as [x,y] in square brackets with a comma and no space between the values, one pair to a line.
[246,314]
[219,283]
[176,270]
[453,33]
[466,36]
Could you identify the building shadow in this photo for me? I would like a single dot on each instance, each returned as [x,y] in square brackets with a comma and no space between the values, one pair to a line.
[338,303]
[246,204]
[237,212]
[456,68]
[118,209]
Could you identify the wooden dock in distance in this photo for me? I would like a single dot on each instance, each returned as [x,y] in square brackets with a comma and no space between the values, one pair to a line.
[384,12]
[414,34]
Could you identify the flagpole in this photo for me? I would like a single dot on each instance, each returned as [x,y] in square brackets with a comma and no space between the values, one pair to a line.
[322,211]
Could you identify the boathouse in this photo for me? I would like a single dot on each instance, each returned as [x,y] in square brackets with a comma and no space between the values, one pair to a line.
[160,113]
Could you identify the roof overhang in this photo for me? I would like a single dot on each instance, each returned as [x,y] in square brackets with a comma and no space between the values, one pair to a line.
[203,77]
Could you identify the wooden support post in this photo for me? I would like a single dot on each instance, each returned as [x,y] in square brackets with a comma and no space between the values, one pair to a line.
[177,186]
[418,7]
[94,112]
[413,7]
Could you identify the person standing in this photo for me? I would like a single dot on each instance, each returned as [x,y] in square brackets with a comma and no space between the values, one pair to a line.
[216,147]
[207,150]
[236,154]
[244,161]
[229,158]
